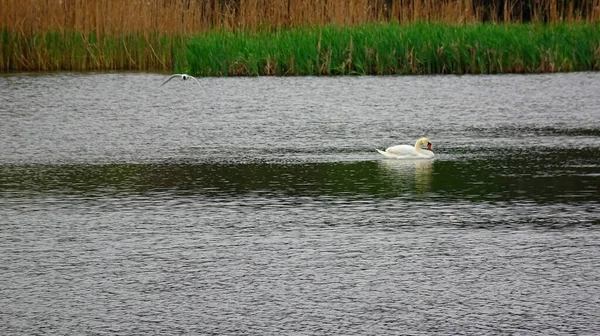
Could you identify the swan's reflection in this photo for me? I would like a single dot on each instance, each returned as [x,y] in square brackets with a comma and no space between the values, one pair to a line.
[408,174]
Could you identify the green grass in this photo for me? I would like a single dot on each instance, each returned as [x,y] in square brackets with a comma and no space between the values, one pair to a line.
[375,49]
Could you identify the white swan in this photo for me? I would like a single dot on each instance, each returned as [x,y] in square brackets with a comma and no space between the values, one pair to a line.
[184,77]
[409,152]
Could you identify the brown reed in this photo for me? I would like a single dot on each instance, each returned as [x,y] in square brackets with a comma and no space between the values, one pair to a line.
[192,16]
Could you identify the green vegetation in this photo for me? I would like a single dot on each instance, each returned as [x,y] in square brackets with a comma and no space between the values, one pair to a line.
[372,49]
[394,49]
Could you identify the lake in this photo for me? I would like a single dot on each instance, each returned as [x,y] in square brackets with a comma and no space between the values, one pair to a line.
[260,206]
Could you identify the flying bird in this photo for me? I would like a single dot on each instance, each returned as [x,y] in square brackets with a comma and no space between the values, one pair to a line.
[184,77]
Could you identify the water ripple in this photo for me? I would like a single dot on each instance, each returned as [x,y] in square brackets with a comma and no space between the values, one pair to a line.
[260,206]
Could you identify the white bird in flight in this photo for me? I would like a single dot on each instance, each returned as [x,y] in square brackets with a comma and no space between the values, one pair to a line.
[184,77]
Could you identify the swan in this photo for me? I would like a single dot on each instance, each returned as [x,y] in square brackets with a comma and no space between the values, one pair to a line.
[184,77]
[409,152]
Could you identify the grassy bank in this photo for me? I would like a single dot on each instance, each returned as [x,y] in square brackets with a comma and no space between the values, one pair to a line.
[372,49]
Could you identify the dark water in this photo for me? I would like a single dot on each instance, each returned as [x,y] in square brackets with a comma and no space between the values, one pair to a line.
[259,205]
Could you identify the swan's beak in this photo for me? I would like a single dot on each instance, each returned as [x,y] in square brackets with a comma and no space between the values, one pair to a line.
[429,145]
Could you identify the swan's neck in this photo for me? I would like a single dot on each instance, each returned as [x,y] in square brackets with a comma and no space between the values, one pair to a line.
[418,147]
[421,150]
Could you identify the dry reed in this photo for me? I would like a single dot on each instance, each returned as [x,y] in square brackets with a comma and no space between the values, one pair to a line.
[192,16]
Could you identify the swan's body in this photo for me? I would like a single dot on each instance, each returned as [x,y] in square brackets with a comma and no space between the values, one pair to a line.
[184,77]
[409,152]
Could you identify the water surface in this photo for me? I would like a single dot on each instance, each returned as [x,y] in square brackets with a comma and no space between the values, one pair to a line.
[259,205]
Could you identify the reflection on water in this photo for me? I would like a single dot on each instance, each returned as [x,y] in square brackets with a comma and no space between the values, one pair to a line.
[408,174]
[261,207]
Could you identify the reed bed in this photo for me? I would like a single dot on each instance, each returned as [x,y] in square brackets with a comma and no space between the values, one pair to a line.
[300,37]
[182,17]
[374,49]
[394,49]
[71,50]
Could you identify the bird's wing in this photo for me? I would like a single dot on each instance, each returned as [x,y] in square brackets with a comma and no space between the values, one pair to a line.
[165,82]
[402,150]
[197,82]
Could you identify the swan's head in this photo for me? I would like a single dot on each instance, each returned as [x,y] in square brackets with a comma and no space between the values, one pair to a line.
[185,77]
[425,142]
